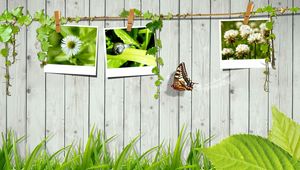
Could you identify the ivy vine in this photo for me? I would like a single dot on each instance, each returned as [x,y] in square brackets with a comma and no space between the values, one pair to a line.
[10,24]
[12,21]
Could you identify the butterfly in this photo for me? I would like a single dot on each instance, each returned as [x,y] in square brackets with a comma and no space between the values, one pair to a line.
[181,81]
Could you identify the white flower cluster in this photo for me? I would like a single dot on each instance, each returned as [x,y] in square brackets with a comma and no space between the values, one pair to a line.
[230,36]
[263,29]
[242,50]
[245,31]
[255,38]
[227,51]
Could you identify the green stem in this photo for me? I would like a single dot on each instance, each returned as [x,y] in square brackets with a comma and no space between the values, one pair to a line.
[7,75]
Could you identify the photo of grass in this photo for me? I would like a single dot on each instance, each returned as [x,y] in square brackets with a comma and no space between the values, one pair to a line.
[74,46]
[244,42]
[126,52]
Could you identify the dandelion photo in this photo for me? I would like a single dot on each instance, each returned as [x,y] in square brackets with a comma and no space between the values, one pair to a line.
[244,46]
[127,53]
[73,50]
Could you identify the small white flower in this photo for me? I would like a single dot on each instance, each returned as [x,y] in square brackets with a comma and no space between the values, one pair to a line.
[238,24]
[71,45]
[255,38]
[263,27]
[242,50]
[264,30]
[227,51]
[253,24]
[245,31]
[230,36]
[255,30]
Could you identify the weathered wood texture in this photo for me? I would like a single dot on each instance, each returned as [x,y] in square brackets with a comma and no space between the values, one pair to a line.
[223,103]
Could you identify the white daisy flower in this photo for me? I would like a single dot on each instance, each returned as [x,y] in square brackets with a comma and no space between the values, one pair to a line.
[238,24]
[71,45]
[227,51]
[255,38]
[245,31]
[230,36]
[242,50]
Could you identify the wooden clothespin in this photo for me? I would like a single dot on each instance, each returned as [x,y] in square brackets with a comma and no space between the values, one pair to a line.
[57,20]
[248,12]
[130,20]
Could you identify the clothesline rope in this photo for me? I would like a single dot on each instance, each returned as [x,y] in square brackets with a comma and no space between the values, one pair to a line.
[280,12]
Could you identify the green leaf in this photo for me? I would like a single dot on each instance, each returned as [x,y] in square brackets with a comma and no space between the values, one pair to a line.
[25,20]
[158,43]
[42,56]
[269,25]
[169,16]
[152,51]
[137,12]
[77,19]
[157,82]
[249,152]
[294,9]
[124,13]
[155,70]
[7,63]
[6,16]
[160,61]
[155,25]
[135,55]
[17,12]
[147,15]
[4,52]
[63,20]
[259,10]
[126,38]
[5,33]
[264,48]
[39,14]
[285,133]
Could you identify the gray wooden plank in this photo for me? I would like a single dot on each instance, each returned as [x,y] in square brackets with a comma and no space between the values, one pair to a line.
[132,96]
[169,112]
[219,80]
[281,78]
[16,103]
[76,89]
[149,106]
[185,55]
[114,96]
[201,69]
[2,85]
[97,86]
[259,101]
[35,84]
[55,96]
[239,86]
[296,70]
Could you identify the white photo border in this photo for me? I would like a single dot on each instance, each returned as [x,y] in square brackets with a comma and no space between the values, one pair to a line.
[128,71]
[73,69]
[239,64]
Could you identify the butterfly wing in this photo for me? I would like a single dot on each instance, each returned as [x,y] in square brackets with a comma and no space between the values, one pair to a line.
[179,82]
[188,83]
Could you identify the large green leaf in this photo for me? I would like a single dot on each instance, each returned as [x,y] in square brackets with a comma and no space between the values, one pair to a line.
[135,55]
[285,133]
[250,152]
[5,33]
[126,38]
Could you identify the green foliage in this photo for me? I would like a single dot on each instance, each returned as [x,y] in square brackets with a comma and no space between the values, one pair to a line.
[279,151]
[10,23]
[285,133]
[250,152]
[95,155]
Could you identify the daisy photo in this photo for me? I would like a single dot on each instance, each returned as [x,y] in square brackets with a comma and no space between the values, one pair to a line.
[244,46]
[73,51]
[126,52]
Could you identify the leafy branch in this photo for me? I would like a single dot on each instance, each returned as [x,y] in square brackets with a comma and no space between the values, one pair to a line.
[10,24]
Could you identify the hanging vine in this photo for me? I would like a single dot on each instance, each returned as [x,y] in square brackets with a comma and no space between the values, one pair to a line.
[12,21]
